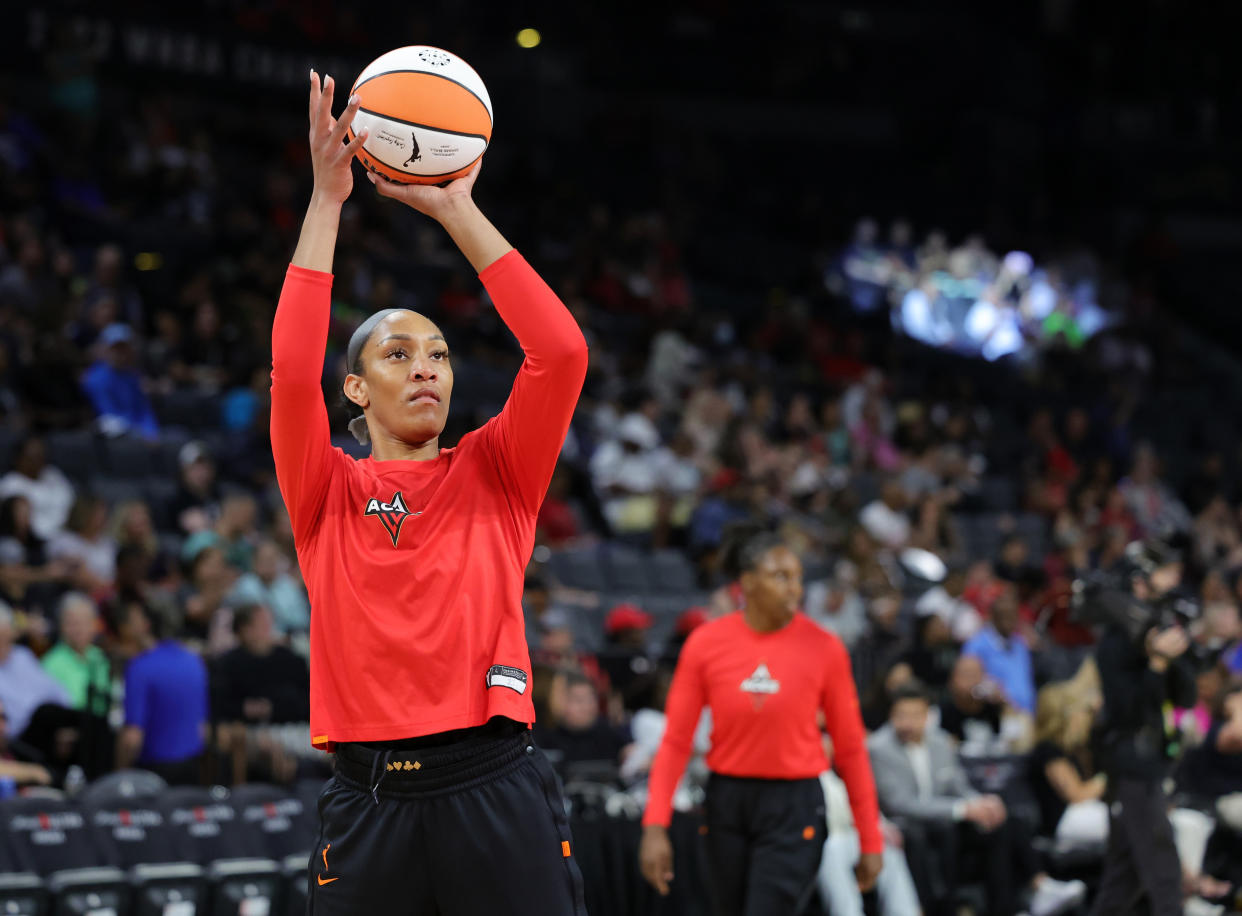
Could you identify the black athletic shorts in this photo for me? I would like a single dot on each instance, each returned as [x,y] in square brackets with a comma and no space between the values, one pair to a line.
[765,839]
[474,827]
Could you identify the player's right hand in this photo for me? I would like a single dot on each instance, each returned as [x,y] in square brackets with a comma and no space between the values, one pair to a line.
[331,157]
[655,857]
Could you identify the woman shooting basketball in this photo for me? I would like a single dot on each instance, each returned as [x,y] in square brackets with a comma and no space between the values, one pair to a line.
[414,560]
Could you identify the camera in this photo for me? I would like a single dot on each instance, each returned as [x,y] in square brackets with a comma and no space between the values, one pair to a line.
[1108,597]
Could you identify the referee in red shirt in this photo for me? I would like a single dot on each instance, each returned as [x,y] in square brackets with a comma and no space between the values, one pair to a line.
[766,672]
[414,560]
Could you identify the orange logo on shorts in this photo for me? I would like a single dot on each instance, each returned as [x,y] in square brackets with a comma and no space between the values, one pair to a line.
[808,833]
[322,880]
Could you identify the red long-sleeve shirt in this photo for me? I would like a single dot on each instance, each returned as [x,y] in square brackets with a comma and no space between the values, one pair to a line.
[415,568]
[764,690]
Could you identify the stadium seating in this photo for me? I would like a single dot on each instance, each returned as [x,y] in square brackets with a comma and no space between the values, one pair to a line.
[124,811]
[52,838]
[241,877]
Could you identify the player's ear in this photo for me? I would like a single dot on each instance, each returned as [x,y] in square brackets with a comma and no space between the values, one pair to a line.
[355,389]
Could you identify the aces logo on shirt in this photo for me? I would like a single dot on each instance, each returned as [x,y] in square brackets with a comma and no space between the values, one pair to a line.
[392,514]
[761,684]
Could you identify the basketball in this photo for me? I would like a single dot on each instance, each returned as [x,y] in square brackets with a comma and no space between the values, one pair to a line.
[428,115]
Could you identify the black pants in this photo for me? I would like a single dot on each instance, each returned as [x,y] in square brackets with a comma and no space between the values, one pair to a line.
[937,853]
[765,839]
[1141,869]
[474,827]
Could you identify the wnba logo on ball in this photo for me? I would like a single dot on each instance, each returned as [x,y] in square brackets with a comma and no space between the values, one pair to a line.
[435,57]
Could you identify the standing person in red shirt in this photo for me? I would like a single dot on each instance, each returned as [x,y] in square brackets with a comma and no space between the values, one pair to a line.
[766,672]
[414,560]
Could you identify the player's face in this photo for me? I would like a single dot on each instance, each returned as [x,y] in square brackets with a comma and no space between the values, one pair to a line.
[407,378]
[774,588]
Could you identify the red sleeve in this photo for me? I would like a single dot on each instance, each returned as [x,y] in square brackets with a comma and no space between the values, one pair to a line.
[301,442]
[686,698]
[528,433]
[849,747]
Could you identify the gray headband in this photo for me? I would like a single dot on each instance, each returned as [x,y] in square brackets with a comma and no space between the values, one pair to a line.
[358,425]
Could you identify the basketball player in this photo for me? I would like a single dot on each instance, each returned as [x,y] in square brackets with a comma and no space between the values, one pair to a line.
[414,560]
[767,672]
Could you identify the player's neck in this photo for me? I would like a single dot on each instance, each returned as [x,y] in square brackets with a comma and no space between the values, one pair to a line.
[387,449]
[763,623]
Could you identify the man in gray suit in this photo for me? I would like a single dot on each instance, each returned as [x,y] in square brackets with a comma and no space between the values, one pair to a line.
[922,786]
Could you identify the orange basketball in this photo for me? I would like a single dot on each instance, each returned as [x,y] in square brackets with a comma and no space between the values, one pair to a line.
[428,114]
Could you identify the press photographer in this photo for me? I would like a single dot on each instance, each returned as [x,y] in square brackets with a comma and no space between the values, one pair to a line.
[1145,670]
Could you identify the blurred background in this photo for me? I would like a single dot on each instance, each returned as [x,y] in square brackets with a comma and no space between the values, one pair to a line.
[942,292]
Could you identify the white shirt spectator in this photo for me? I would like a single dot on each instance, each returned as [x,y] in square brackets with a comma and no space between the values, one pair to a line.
[886,526]
[959,615]
[837,609]
[98,556]
[50,496]
[626,469]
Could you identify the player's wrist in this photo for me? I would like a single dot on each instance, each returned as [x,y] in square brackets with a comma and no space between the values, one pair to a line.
[457,211]
[655,828]
[324,203]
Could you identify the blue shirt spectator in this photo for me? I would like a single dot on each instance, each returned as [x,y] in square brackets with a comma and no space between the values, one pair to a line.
[114,386]
[166,700]
[1004,654]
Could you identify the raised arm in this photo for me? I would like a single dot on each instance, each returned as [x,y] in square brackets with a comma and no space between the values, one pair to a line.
[301,442]
[528,433]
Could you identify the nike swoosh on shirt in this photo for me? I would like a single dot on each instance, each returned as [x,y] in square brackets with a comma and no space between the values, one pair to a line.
[322,880]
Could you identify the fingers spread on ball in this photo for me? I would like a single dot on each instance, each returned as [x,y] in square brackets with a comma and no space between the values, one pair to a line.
[346,118]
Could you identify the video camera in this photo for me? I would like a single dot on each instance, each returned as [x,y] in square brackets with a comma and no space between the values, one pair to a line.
[1107,597]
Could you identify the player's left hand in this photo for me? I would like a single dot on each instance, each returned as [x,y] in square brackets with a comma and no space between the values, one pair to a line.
[434,201]
[868,870]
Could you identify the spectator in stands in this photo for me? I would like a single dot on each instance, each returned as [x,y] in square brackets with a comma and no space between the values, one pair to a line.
[86,547]
[115,387]
[1069,792]
[197,505]
[948,602]
[76,662]
[932,656]
[838,608]
[27,576]
[270,584]
[1155,507]
[108,281]
[885,519]
[24,685]
[973,707]
[165,728]
[260,681]
[46,489]
[922,785]
[19,762]
[1013,564]
[203,595]
[236,530]
[1004,653]
[894,889]
[626,658]
[626,474]
[581,735]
